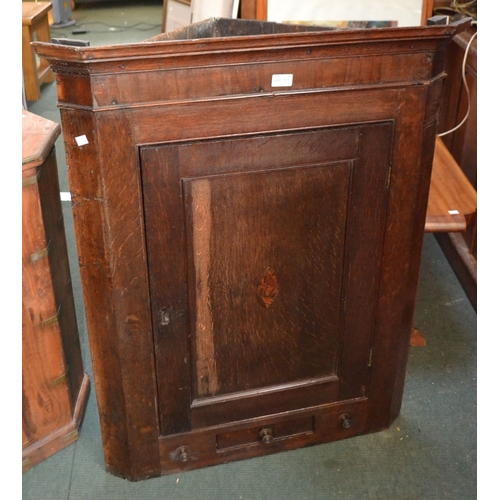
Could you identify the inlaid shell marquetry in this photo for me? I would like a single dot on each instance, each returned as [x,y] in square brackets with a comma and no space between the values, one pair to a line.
[268,288]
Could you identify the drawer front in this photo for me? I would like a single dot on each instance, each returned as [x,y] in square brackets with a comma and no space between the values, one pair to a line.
[263,436]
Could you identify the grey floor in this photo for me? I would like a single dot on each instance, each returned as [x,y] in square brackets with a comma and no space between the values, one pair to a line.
[430,451]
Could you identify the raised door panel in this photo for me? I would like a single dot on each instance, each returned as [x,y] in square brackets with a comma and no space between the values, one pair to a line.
[264,255]
[265,251]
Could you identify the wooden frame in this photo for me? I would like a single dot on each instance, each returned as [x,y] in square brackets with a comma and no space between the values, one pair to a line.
[427,9]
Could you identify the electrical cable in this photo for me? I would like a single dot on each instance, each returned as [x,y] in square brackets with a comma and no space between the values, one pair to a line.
[116,28]
[466,86]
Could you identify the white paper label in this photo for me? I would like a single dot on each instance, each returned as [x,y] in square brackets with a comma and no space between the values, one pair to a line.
[282,80]
[453,212]
[81,140]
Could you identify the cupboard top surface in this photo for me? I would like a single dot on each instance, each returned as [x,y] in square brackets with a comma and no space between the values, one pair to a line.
[208,43]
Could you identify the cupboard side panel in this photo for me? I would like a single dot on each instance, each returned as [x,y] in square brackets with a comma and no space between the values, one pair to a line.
[409,186]
[105,189]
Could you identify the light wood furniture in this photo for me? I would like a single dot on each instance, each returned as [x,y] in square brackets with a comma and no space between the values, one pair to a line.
[452,203]
[451,209]
[54,386]
[35,28]
[250,244]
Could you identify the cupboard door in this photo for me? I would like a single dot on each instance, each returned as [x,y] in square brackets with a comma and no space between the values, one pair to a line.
[264,254]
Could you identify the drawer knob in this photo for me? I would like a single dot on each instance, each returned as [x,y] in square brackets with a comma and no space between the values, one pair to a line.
[183,454]
[345,420]
[266,435]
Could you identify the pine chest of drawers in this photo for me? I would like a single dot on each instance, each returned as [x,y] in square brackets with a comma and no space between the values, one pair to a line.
[55,387]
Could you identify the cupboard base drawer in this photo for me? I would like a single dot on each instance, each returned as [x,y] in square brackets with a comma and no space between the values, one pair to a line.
[262,436]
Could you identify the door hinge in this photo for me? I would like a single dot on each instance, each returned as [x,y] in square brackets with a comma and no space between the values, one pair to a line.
[370,358]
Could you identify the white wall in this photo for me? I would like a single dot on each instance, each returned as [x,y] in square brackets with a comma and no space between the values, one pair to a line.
[405,12]
[204,9]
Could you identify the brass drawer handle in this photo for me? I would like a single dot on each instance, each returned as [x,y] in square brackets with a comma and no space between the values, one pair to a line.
[266,435]
[345,420]
[181,454]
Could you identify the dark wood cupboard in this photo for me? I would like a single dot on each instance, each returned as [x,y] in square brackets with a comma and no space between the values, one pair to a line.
[249,213]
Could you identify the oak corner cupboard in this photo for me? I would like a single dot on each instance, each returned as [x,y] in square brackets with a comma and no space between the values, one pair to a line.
[249,203]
